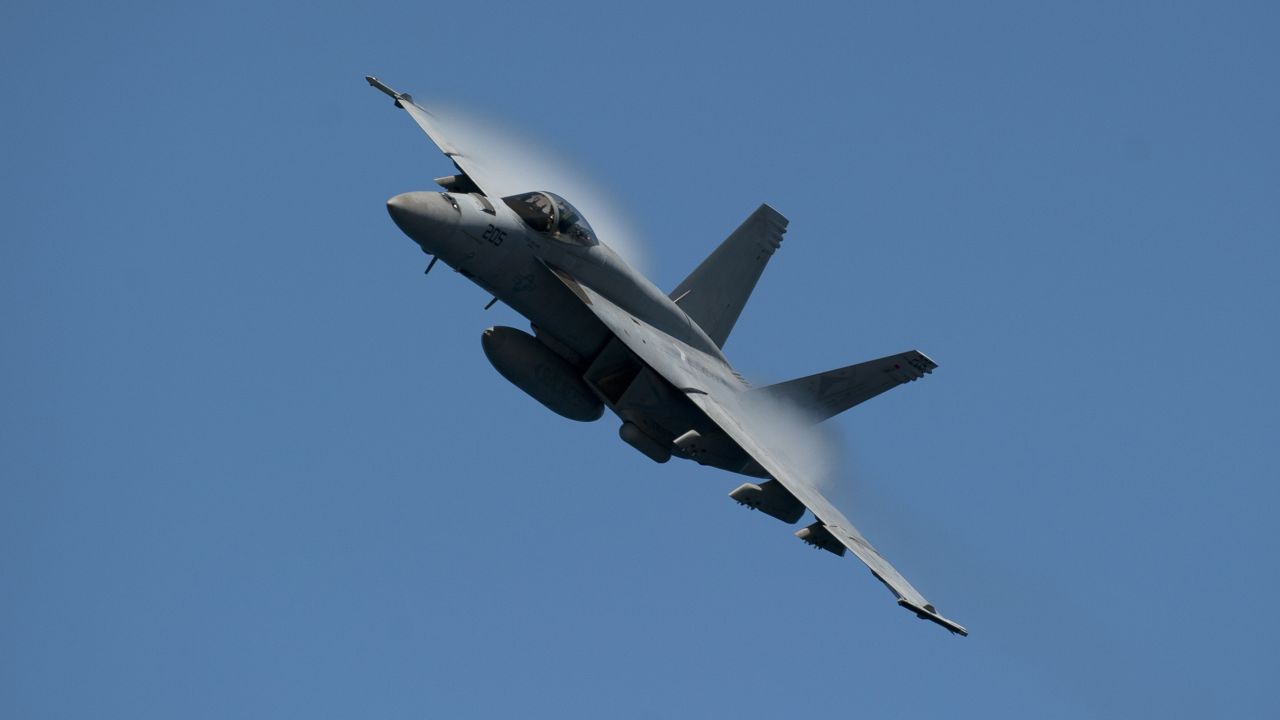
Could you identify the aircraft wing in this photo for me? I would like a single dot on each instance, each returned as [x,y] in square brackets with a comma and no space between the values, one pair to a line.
[714,388]
[773,459]
[471,167]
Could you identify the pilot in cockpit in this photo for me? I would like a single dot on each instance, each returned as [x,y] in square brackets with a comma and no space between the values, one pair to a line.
[551,214]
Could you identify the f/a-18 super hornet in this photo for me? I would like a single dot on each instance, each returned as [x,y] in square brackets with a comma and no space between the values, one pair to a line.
[605,337]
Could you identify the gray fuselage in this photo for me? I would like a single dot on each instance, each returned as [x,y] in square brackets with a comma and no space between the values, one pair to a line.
[491,245]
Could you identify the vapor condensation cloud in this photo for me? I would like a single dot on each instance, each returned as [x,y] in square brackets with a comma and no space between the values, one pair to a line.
[518,164]
[810,449]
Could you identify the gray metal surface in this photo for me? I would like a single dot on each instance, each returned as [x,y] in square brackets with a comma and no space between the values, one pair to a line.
[715,388]
[605,336]
[829,393]
[717,290]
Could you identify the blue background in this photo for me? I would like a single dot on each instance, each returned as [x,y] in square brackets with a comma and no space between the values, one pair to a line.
[255,465]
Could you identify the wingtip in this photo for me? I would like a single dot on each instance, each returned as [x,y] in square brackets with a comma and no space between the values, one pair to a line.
[929,613]
[381,86]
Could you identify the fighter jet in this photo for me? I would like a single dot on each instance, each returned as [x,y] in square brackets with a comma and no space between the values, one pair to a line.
[605,337]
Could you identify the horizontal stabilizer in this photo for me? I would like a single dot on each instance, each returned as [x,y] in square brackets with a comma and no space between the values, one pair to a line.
[716,291]
[830,393]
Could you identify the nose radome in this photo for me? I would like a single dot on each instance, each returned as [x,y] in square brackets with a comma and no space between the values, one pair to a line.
[427,217]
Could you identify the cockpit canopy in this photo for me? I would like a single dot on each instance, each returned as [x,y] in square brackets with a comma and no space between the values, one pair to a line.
[551,214]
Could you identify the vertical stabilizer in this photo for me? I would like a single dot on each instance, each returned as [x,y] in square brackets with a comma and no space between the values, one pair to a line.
[716,291]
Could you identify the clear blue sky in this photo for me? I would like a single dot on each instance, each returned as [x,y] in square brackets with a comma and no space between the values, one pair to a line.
[253,464]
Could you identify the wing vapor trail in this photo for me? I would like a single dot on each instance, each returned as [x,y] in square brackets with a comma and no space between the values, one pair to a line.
[519,164]
[811,447]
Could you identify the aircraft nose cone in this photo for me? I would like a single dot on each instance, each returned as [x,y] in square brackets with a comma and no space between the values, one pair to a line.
[426,217]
